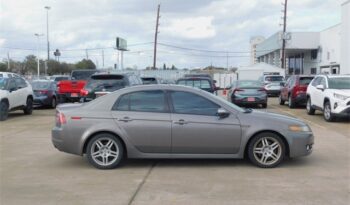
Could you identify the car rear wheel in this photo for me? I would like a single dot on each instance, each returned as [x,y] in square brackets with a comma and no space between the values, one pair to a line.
[264,105]
[291,103]
[310,110]
[105,151]
[327,112]
[281,101]
[28,109]
[266,150]
[53,102]
[4,110]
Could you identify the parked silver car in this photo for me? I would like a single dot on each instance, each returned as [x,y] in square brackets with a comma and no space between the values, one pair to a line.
[171,121]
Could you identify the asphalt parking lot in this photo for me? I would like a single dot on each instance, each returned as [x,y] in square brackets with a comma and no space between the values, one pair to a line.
[34,172]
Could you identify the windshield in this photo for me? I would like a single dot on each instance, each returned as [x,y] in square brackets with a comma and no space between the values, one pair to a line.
[82,75]
[3,83]
[105,84]
[148,81]
[202,84]
[249,84]
[305,80]
[339,83]
[274,78]
[41,85]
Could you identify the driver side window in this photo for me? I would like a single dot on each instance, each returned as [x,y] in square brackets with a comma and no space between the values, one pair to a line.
[12,84]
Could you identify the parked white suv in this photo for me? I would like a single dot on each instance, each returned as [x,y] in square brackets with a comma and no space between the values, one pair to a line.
[15,94]
[330,94]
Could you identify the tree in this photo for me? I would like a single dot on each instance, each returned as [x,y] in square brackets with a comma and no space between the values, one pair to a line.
[164,66]
[30,65]
[85,64]
[3,66]
[173,67]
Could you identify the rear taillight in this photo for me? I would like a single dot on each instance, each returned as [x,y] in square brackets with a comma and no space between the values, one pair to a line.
[237,90]
[84,92]
[60,118]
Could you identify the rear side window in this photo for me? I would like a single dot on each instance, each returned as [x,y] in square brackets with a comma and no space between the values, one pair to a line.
[305,80]
[143,101]
[189,103]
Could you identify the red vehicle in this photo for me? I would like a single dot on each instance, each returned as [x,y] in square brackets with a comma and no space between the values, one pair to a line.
[294,90]
[69,90]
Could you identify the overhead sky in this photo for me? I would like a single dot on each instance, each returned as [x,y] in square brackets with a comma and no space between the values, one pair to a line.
[213,25]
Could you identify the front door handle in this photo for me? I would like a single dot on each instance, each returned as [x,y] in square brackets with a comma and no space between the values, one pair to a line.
[180,122]
[125,119]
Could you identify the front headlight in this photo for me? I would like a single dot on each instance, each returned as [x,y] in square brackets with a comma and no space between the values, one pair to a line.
[340,97]
[299,128]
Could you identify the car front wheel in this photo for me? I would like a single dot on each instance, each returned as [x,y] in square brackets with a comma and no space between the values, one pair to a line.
[3,111]
[310,110]
[327,112]
[266,150]
[291,103]
[281,101]
[105,151]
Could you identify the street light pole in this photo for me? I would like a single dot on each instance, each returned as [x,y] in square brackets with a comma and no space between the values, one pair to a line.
[47,35]
[37,46]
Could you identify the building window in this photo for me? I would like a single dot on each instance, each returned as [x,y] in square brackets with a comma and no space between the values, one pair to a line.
[313,71]
[314,54]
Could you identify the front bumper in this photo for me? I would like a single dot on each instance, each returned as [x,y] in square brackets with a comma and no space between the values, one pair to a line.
[300,143]
[341,108]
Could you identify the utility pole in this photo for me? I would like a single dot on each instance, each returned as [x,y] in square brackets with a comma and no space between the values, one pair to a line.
[47,31]
[283,61]
[87,54]
[8,61]
[103,58]
[38,50]
[227,60]
[155,40]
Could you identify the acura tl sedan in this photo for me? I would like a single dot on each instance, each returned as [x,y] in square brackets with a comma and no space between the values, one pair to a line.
[172,121]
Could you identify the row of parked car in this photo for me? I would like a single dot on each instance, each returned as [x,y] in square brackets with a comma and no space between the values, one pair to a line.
[327,93]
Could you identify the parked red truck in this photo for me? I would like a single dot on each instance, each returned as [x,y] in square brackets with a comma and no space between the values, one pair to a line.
[69,90]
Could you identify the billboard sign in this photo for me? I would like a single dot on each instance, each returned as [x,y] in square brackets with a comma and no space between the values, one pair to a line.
[121,44]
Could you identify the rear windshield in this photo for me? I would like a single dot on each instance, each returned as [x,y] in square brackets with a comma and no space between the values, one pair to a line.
[105,82]
[202,84]
[339,83]
[40,85]
[82,75]
[305,80]
[274,78]
[249,83]
[61,78]
[149,81]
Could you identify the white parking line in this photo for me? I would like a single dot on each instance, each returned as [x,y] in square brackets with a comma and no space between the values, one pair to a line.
[318,125]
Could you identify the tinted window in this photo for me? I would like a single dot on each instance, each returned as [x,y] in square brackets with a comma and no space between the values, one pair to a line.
[249,83]
[202,84]
[3,83]
[339,83]
[21,83]
[123,103]
[41,85]
[12,84]
[147,101]
[188,103]
[316,81]
[107,82]
[274,78]
[148,81]
[323,82]
[82,75]
[305,80]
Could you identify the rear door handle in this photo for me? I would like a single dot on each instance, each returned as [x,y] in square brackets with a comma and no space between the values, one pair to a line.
[125,119]
[180,122]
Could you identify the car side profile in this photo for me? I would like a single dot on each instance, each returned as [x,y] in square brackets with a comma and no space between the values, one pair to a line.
[170,121]
[15,94]
[330,94]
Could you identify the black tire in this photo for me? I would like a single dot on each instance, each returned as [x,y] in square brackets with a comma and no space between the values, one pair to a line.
[327,112]
[281,101]
[117,145]
[53,102]
[28,109]
[272,138]
[291,103]
[264,105]
[309,109]
[4,111]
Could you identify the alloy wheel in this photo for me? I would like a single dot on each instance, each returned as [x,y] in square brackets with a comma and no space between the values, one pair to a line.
[327,111]
[104,151]
[267,150]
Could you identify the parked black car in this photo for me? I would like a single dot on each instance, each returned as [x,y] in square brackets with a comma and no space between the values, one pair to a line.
[150,80]
[247,93]
[45,93]
[102,84]
[203,83]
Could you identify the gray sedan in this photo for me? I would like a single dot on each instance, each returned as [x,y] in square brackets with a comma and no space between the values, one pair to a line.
[171,121]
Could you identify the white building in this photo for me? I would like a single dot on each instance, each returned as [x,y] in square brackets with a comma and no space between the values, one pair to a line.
[254,41]
[311,52]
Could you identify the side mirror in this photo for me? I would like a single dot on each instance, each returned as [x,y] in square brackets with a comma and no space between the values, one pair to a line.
[214,81]
[320,87]
[222,113]
[12,89]
[282,84]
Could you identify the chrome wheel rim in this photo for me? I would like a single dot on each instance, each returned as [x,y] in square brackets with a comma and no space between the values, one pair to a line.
[104,151]
[308,105]
[53,103]
[327,111]
[267,150]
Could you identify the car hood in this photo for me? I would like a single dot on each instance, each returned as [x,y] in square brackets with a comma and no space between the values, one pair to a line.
[3,93]
[345,92]
[276,117]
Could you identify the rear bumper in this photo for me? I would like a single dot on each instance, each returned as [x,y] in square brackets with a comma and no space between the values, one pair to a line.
[300,99]
[63,142]
[75,97]
[244,100]
[44,100]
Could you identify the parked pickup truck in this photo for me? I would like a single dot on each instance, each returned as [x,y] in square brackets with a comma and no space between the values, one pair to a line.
[69,90]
